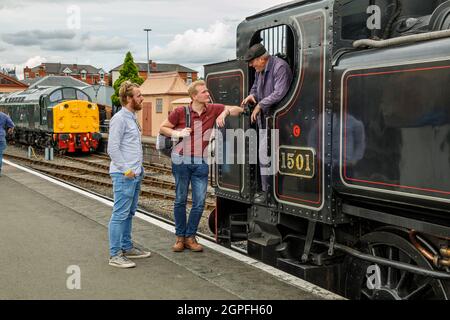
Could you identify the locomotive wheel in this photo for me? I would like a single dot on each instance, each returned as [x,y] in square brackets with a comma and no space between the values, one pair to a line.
[391,283]
[212,221]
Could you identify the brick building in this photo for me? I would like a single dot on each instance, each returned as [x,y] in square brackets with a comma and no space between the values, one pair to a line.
[86,73]
[188,75]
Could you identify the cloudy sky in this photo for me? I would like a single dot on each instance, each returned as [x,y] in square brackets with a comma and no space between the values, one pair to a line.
[188,32]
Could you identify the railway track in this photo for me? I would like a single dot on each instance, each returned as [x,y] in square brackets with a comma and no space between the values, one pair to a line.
[148,166]
[66,172]
[157,182]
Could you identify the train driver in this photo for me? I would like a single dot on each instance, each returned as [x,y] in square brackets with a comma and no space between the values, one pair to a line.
[272,82]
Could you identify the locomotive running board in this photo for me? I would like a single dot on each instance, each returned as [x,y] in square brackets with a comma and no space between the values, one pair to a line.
[405,222]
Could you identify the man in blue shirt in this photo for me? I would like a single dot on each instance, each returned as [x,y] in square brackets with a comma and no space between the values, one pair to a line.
[272,82]
[126,170]
[5,123]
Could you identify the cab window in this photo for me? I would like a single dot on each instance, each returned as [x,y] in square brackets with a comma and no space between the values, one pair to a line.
[56,96]
[279,41]
[82,96]
[69,94]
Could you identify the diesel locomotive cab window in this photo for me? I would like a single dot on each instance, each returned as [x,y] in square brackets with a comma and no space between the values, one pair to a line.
[82,96]
[69,94]
[56,96]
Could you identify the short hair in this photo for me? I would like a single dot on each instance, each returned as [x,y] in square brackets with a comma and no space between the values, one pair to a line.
[192,89]
[126,90]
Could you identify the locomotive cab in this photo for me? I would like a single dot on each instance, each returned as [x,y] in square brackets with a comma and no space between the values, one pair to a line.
[360,147]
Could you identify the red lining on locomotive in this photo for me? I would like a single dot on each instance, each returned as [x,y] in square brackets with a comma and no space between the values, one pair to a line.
[345,128]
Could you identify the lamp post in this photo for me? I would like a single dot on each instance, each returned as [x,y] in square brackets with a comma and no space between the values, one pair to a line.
[148,58]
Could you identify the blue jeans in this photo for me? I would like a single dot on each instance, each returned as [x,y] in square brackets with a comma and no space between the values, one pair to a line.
[195,172]
[2,148]
[126,196]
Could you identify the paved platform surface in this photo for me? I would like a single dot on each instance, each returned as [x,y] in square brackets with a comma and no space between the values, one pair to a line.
[46,228]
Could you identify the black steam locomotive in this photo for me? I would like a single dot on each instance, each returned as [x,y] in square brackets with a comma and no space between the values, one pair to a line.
[360,198]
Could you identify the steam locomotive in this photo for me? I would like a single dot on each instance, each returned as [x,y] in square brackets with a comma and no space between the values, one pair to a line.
[359,202]
[61,117]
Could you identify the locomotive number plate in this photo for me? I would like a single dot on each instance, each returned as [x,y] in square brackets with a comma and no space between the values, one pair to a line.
[298,162]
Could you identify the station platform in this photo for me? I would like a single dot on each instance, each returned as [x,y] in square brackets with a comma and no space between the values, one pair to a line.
[47,229]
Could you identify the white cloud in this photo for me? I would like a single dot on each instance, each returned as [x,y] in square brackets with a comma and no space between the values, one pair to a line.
[65,40]
[31,62]
[110,24]
[199,46]
[34,37]
[101,43]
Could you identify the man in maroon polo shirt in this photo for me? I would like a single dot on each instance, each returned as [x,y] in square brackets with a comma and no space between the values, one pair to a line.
[189,165]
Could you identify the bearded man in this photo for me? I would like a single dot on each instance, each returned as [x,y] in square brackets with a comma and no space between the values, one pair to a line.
[127,172]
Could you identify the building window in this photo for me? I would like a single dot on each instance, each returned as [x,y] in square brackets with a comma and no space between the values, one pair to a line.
[27,75]
[188,78]
[83,75]
[102,76]
[159,105]
[36,74]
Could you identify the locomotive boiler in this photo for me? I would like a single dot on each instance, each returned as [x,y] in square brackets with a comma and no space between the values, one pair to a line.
[61,117]
[360,199]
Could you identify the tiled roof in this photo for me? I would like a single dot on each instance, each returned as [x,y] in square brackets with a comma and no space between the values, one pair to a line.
[56,81]
[58,68]
[160,67]
[12,80]
[166,83]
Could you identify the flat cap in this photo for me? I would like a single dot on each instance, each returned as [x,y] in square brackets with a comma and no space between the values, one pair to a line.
[255,51]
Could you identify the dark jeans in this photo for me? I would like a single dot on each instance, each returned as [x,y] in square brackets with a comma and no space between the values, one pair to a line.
[185,173]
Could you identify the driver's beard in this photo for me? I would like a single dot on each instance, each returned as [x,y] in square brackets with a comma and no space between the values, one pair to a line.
[136,106]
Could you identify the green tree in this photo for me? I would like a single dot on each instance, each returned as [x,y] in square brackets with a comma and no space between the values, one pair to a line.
[129,71]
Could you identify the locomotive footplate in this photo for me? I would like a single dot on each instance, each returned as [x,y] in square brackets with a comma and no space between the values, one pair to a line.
[264,236]
[327,277]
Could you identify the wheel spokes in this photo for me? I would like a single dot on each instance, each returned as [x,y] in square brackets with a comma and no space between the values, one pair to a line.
[392,282]
[402,279]
[419,289]
[390,271]
[367,294]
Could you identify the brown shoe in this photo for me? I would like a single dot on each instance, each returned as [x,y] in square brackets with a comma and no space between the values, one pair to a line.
[179,245]
[191,243]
